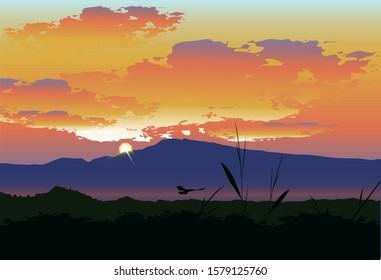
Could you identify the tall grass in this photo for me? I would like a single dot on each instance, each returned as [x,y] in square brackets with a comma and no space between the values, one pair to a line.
[241,191]
[361,202]
[273,181]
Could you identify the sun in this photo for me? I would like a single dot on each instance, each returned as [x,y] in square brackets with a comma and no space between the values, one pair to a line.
[125,148]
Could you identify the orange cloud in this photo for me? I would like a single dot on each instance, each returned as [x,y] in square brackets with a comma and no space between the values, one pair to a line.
[199,67]
[53,103]
[57,119]
[198,74]
[218,59]
[296,56]
[224,130]
[208,72]
[97,27]
[289,135]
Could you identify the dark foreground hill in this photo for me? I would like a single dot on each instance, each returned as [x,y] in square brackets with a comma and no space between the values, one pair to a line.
[187,236]
[77,205]
[160,168]
[66,224]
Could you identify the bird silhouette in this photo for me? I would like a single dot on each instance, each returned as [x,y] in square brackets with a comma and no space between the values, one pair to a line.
[183,190]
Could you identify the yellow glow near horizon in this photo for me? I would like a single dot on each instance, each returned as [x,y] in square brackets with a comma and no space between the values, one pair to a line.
[125,148]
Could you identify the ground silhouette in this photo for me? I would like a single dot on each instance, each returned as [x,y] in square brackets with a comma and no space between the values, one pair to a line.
[185,235]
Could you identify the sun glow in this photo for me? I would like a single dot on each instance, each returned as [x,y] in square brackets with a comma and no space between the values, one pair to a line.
[125,148]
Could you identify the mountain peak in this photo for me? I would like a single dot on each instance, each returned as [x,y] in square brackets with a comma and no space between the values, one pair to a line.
[62,193]
[181,143]
[57,189]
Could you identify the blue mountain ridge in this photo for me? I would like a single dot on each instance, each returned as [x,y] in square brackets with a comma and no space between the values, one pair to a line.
[160,168]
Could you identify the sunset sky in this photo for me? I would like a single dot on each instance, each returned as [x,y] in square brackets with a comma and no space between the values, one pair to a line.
[80,77]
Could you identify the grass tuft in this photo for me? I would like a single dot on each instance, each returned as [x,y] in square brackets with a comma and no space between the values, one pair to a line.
[205,203]
[273,181]
[279,201]
[361,205]
[316,206]
[240,190]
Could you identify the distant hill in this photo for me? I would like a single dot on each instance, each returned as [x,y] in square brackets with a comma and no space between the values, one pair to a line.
[160,168]
[61,201]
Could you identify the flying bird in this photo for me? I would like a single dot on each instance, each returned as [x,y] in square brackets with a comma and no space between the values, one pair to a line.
[183,190]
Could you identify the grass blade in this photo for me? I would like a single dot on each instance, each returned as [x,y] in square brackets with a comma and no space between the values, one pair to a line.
[374,189]
[244,153]
[238,155]
[277,173]
[366,200]
[316,207]
[362,190]
[271,195]
[279,200]
[231,179]
[238,147]
[246,196]
[236,131]
[203,205]
[210,198]
[271,185]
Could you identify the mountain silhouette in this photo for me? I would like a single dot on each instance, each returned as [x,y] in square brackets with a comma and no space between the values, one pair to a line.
[170,163]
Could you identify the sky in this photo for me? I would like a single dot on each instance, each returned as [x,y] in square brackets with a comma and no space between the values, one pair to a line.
[79,78]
